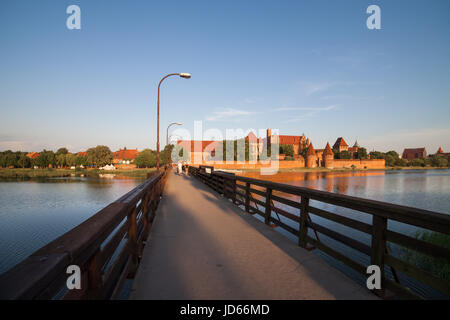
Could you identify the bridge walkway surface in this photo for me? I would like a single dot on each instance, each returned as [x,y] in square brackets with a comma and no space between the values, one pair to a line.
[202,246]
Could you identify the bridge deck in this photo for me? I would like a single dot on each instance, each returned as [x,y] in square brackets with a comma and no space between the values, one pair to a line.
[201,246]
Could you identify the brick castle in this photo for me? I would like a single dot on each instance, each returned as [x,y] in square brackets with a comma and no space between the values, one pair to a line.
[304,153]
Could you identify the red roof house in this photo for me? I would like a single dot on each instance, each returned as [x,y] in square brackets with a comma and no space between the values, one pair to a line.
[125,156]
[415,153]
[33,155]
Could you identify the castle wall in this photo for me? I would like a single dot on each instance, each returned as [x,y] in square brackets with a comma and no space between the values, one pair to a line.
[360,164]
[245,165]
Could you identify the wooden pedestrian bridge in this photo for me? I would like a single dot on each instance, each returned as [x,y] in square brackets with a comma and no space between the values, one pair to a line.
[194,236]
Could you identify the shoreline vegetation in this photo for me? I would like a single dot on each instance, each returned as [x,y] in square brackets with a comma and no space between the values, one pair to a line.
[14,173]
[142,172]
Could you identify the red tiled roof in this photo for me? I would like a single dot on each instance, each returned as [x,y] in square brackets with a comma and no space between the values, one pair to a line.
[411,150]
[33,155]
[191,145]
[311,151]
[126,154]
[328,150]
[82,154]
[289,139]
[340,142]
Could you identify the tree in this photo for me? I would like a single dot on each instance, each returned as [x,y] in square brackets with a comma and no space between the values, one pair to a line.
[377,155]
[417,163]
[11,159]
[401,162]
[438,161]
[146,159]
[393,153]
[24,161]
[71,159]
[362,153]
[60,160]
[62,151]
[287,149]
[45,159]
[80,161]
[99,156]
[342,155]
[390,161]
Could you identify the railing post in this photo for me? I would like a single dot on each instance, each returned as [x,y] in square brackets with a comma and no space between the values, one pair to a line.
[303,230]
[145,216]
[152,205]
[268,212]
[132,240]
[379,248]
[233,181]
[247,196]
[94,276]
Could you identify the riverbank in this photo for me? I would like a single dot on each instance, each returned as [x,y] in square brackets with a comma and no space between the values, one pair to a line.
[54,173]
[321,169]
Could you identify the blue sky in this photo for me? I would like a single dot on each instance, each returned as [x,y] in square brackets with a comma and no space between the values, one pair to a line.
[299,66]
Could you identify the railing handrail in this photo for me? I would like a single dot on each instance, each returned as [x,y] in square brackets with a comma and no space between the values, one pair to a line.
[267,202]
[41,273]
[441,221]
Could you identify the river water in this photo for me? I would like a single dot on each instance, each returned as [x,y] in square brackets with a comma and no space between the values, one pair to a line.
[35,212]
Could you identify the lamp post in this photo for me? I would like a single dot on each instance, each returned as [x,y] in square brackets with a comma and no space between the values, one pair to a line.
[167,137]
[182,75]
[167,133]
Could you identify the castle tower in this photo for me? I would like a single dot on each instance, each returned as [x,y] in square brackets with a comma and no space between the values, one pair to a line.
[328,157]
[311,157]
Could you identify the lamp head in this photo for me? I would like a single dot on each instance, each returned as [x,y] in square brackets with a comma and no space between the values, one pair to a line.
[185,75]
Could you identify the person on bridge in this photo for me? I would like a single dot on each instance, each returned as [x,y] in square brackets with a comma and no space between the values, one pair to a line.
[180,168]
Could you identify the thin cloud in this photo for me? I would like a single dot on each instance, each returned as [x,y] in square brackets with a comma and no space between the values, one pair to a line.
[310,88]
[319,109]
[227,114]
[311,112]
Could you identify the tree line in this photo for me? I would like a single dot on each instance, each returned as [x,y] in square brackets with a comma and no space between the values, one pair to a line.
[393,159]
[98,156]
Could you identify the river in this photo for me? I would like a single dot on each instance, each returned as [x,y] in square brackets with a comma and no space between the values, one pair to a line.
[34,212]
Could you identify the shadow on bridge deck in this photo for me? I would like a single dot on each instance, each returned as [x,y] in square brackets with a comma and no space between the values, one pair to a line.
[202,246]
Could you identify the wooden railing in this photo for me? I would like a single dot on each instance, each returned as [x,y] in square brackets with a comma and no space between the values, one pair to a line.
[107,247]
[259,197]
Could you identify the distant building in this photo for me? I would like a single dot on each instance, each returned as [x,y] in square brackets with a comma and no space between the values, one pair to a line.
[125,156]
[340,145]
[354,150]
[82,154]
[202,150]
[33,155]
[441,152]
[417,153]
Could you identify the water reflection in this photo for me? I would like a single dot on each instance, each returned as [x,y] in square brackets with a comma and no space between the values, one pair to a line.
[35,211]
[426,189]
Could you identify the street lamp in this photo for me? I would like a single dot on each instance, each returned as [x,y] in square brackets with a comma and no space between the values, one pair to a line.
[167,137]
[167,133]
[182,75]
